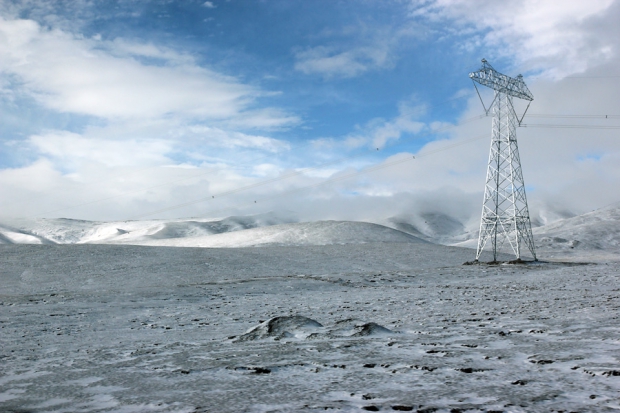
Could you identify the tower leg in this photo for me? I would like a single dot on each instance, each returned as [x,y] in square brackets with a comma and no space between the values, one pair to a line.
[505,214]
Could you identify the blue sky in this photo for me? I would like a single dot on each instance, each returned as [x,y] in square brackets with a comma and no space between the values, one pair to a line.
[152,103]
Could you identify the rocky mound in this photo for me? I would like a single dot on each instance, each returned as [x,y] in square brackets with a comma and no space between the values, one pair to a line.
[282,327]
[300,327]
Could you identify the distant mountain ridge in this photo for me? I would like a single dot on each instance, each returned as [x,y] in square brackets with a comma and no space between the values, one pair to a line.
[595,234]
[72,231]
[228,232]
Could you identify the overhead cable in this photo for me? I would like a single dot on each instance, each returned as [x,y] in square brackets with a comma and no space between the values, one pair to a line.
[324,182]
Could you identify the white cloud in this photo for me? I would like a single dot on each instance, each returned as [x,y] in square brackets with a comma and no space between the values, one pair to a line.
[404,123]
[209,5]
[147,143]
[148,127]
[267,119]
[68,73]
[557,37]
[354,49]
[69,150]
[378,132]
[216,137]
[330,62]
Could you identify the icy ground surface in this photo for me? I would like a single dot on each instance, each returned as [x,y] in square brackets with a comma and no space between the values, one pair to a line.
[366,327]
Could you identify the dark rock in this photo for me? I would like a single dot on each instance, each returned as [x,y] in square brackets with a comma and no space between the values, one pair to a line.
[371,329]
[402,408]
[520,382]
[541,361]
[426,368]
[467,370]
[260,370]
[370,365]
[611,373]
[371,408]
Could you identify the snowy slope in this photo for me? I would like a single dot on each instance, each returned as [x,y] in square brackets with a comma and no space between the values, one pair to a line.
[435,227]
[72,231]
[230,232]
[592,236]
[307,233]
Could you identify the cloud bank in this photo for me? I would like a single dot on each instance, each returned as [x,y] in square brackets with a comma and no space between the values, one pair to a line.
[143,129]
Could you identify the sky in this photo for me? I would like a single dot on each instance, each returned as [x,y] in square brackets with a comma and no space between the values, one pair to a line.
[323,109]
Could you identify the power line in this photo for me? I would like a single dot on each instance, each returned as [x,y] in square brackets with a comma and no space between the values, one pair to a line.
[324,182]
[593,77]
[264,182]
[133,173]
[322,165]
[577,77]
[542,115]
[550,126]
[560,126]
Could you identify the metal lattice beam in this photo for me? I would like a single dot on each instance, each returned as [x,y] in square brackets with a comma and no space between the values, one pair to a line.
[512,86]
[505,214]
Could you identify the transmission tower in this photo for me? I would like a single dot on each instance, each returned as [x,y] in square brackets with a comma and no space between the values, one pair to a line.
[505,215]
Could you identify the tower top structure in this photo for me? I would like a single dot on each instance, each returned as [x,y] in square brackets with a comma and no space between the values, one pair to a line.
[512,86]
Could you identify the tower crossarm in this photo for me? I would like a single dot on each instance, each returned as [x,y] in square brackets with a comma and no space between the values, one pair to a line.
[513,86]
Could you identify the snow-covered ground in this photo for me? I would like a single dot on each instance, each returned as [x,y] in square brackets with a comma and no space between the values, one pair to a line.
[334,316]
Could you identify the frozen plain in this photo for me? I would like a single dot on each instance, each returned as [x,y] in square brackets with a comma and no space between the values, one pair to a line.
[396,325]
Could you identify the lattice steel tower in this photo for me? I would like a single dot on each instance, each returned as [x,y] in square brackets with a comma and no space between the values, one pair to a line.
[505,215]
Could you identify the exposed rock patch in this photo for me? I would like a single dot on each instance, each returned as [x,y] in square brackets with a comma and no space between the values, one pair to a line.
[282,327]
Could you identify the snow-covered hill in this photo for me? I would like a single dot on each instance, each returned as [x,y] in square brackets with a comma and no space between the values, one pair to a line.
[435,227]
[71,231]
[307,233]
[591,236]
[231,232]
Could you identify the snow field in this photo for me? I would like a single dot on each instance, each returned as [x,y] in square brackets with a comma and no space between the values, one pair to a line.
[359,327]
